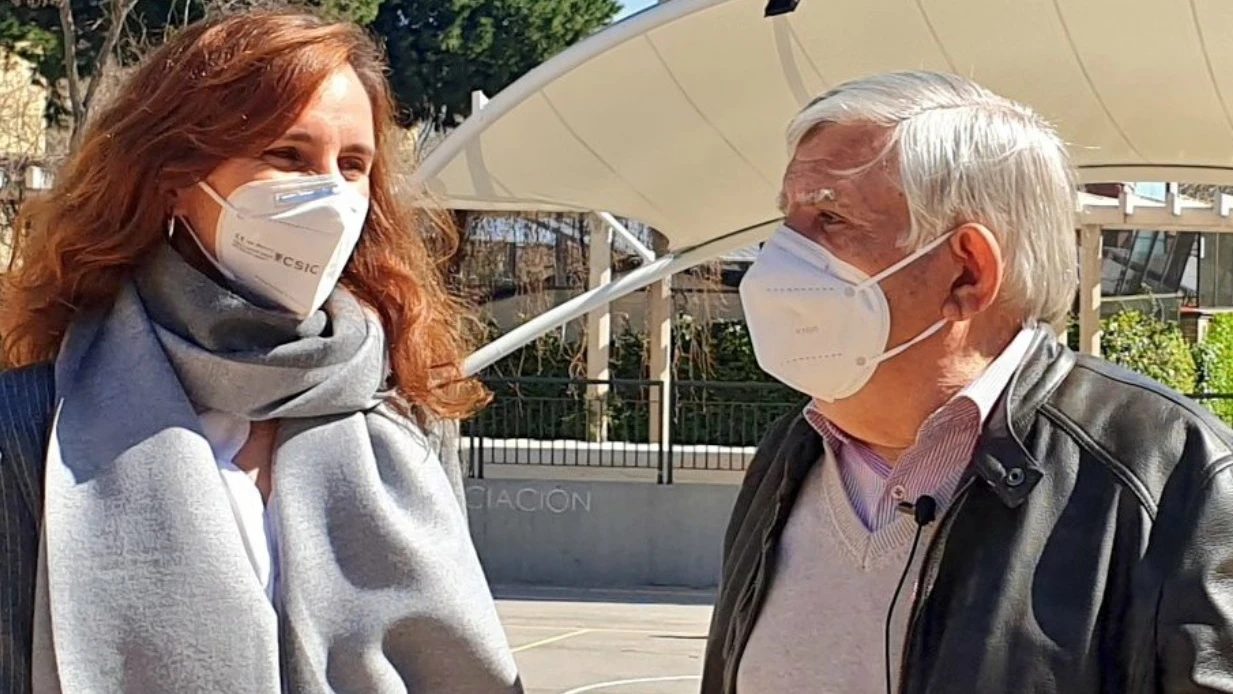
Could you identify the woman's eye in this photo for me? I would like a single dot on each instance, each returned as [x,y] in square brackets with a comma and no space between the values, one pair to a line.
[290,156]
[354,166]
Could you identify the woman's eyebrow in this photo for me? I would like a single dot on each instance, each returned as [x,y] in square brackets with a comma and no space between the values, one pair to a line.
[305,137]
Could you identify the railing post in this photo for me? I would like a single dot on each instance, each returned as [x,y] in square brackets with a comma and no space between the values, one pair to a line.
[655,394]
[477,449]
[670,398]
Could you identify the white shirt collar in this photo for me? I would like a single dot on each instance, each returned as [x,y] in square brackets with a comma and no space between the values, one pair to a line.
[985,390]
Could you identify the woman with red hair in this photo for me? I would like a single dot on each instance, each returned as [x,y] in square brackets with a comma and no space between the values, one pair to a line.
[231,356]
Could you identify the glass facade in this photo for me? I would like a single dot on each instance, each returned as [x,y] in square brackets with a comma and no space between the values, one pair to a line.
[1215,271]
[1148,262]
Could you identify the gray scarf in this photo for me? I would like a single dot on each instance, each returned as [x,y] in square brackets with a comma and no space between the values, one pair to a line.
[144,583]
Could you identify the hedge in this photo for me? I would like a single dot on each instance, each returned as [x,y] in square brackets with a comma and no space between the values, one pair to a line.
[1151,347]
[733,408]
[1214,361]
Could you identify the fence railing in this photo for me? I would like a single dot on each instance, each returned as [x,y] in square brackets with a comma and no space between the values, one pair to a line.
[565,422]
[712,425]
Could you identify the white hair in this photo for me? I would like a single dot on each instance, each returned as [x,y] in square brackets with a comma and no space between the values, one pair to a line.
[969,155]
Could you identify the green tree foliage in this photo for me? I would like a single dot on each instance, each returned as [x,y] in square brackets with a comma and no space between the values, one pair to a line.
[1151,347]
[442,50]
[31,32]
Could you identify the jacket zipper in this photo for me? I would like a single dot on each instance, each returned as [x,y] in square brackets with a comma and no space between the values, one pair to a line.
[927,577]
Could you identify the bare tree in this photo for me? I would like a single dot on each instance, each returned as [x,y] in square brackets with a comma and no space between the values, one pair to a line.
[82,91]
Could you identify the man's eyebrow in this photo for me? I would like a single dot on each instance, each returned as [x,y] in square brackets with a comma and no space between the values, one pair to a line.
[818,196]
[813,197]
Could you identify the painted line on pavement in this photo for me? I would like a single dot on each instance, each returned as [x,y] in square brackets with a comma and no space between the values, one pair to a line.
[551,639]
[641,680]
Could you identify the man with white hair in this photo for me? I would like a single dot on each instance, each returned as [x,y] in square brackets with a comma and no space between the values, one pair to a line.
[965,505]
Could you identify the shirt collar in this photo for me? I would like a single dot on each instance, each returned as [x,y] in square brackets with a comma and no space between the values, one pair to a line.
[986,388]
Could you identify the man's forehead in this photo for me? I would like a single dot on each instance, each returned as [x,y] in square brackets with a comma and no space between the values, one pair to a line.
[842,145]
[833,159]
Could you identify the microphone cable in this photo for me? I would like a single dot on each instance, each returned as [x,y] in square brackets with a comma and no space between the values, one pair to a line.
[924,511]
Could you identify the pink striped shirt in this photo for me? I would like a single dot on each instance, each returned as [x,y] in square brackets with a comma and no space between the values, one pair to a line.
[936,461]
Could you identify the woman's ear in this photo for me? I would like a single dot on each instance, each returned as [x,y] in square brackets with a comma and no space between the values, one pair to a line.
[980,268]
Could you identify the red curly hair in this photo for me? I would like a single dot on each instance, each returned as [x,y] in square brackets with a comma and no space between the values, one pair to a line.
[219,90]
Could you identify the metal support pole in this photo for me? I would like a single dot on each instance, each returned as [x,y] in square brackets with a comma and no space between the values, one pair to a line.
[659,345]
[614,224]
[599,330]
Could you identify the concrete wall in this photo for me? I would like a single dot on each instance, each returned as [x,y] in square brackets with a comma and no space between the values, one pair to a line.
[599,534]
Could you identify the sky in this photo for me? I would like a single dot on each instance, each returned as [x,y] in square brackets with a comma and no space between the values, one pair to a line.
[629,7]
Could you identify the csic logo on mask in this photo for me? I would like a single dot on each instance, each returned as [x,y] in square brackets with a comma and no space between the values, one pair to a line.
[297,265]
[272,216]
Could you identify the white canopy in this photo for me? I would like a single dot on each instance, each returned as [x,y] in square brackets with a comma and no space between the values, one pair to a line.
[676,115]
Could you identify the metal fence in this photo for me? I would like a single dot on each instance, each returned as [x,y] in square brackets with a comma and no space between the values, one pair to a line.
[713,425]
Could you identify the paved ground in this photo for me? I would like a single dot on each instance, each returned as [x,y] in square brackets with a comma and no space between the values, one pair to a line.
[618,642]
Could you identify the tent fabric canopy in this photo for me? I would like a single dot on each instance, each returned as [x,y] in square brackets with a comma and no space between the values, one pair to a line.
[676,116]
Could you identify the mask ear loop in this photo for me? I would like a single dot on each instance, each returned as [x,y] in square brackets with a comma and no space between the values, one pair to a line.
[201,247]
[209,189]
[892,353]
[896,267]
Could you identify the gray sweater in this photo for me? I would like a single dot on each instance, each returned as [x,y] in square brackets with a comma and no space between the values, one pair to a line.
[820,630]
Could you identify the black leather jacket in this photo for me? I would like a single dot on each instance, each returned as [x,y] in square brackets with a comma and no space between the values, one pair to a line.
[1089,549]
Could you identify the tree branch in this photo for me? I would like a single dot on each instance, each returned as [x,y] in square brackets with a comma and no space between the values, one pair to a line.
[120,10]
[68,29]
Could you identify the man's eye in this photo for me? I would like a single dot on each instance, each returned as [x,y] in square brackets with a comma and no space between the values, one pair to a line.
[827,219]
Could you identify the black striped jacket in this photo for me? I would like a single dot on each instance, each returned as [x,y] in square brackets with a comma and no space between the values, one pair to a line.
[26,397]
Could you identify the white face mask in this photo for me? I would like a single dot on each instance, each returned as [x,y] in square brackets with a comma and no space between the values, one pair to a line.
[818,324]
[287,240]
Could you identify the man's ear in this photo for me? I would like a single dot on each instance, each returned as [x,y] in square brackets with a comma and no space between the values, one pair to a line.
[978,276]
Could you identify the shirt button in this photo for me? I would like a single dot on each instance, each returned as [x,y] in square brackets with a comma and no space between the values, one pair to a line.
[898,493]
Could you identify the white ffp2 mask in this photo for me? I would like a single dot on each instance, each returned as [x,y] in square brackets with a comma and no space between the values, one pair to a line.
[819,324]
[287,240]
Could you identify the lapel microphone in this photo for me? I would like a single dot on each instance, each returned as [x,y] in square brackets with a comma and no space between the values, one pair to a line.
[923,511]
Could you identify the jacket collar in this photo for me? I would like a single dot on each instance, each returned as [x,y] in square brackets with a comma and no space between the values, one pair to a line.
[1001,458]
